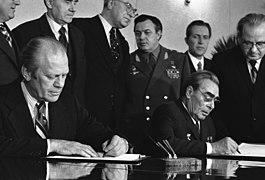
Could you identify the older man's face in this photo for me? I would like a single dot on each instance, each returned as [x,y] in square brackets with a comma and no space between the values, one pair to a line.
[202,100]
[7,9]
[122,12]
[252,41]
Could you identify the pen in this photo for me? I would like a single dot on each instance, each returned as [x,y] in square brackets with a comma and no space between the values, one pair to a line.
[170,148]
[158,144]
[237,150]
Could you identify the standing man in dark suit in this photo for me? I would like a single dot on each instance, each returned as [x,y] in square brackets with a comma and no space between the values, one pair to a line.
[156,75]
[107,59]
[9,51]
[38,117]
[241,71]
[58,16]
[198,34]
[187,123]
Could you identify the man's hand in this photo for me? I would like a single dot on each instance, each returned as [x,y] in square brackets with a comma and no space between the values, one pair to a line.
[64,147]
[115,147]
[224,146]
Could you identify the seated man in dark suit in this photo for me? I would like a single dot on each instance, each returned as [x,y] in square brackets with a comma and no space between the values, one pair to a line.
[38,117]
[187,123]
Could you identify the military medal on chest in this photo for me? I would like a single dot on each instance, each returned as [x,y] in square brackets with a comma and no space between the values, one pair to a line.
[172,71]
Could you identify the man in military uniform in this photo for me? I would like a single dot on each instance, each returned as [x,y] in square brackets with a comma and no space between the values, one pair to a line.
[156,75]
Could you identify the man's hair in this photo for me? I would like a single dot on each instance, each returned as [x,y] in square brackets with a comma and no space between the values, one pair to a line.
[197,77]
[144,17]
[252,19]
[198,23]
[37,48]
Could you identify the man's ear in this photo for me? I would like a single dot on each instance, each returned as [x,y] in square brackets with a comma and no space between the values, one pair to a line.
[110,4]
[189,92]
[186,40]
[49,3]
[25,73]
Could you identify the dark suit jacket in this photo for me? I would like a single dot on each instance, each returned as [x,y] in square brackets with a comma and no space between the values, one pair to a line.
[207,63]
[77,64]
[149,90]
[171,121]
[242,103]
[105,85]
[67,118]
[9,59]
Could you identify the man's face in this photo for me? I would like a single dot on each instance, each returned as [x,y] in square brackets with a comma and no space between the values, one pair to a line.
[122,12]
[47,83]
[198,40]
[62,11]
[7,9]
[147,38]
[252,41]
[202,100]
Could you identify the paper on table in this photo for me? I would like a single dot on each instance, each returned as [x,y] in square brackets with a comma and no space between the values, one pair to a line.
[124,157]
[255,150]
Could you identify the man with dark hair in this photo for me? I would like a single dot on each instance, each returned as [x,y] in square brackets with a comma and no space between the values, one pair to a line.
[107,55]
[187,123]
[55,23]
[198,34]
[156,75]
[241,71]
[9,51]
[38,117]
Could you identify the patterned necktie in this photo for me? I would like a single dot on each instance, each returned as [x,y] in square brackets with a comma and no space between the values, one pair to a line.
[114,45]
[62,37]
[6,34]
[254,71]
[199,65]
[41,123]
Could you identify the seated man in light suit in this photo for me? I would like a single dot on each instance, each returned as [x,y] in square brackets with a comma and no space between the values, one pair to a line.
[187,123]
[64,127]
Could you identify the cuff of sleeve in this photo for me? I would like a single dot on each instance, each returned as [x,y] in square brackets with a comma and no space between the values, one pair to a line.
[209,148]
[48,146]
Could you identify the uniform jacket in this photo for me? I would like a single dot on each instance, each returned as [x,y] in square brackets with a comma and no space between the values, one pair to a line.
[242,103]
[147,91]
[171,121]
[77,62]
[9,59]
[68,120]
[105,85]
[207,63]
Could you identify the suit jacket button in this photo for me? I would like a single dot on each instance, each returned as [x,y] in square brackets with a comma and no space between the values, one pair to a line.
[165,97]
[147,97]
[147,118]
[147,108]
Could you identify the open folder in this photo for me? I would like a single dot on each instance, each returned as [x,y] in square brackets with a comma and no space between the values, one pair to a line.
[125,158]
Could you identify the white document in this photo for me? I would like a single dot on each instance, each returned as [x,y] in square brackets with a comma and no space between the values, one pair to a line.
[252,150]
[124,158]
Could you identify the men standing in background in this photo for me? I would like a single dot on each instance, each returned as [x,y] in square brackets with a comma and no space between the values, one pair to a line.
[198,34]
[156,75]
[9,51]
[241,71]
[55,23]
[107,54]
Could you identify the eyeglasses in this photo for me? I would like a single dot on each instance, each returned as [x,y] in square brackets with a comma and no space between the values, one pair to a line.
[249,44]
[129,8]
[209,97]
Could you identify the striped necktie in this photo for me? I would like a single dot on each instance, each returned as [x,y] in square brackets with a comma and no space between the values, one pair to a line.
[6,34]
[41,123]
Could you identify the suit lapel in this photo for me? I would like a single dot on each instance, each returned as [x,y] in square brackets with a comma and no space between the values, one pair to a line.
[23,126]
[189,123]
[45,27]
[261,74]
[192,68]
[140,63]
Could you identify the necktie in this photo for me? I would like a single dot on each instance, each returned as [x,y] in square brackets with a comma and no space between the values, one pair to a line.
[41,123]
[199,65]
[62,37]
[254,70]
[114,45]
[197,126]
[151,61]
[6,34]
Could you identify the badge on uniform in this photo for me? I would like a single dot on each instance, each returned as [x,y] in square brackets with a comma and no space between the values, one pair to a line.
[172,71]
[188,137]
[133,70]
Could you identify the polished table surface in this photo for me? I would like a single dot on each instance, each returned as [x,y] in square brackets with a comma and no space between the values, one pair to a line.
[148,169]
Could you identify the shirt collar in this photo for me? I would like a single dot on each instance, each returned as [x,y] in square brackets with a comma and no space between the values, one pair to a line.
[257,63]
[55,27]
[107,27]
[195,61]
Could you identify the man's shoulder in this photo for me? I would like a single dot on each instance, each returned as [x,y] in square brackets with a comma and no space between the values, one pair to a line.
[28,25]
[85,22]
